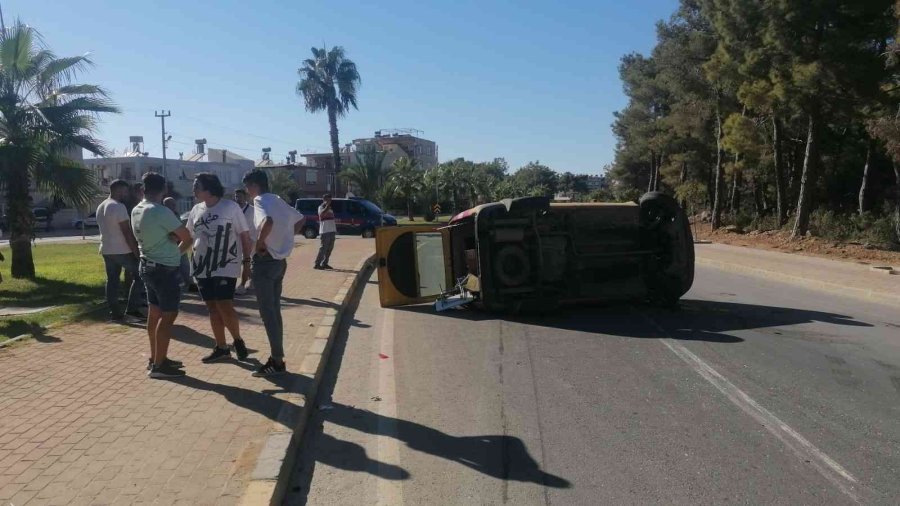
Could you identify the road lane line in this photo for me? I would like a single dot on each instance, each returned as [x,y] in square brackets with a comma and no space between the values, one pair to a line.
[389,489]
[806,451]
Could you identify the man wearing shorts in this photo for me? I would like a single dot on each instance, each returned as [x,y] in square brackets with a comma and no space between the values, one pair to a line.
[276,223]
[221,253]
[161,240]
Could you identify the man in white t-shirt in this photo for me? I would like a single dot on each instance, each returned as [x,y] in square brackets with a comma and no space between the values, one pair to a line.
[240,198]
[221,253]
[327,233]
[276,223]
[119,250]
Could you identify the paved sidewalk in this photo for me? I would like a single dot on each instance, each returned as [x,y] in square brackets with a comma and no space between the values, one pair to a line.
[846,278]
[80,422]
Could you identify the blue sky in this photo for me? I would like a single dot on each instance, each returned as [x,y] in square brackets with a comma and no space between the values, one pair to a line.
[516,79]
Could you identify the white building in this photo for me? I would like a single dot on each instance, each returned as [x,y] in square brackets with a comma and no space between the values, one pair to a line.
[180,171]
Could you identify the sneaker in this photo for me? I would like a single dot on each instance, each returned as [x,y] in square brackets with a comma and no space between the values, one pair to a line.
[270,368]
[165,371]
[174,363]
[327,267]
[317,267]
[137,315]
[240,290]
[240,348]
[116,318]
[217,354]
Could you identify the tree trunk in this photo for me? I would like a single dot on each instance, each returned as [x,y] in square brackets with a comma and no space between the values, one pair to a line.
[652,171]
[734,204]
[21,223]
[796,169]
[780,189]
[808,178]
[719,201]
[409,213]
[897,201]
[864,186]
[335,144]
[682,178]
[758,199]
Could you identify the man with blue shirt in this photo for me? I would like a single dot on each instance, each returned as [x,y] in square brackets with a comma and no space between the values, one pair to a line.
[162,239]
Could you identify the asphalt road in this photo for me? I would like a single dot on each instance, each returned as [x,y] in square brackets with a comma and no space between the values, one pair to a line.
[754,392]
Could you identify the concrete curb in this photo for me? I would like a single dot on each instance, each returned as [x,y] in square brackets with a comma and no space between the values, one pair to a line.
[880,297]
[272,474]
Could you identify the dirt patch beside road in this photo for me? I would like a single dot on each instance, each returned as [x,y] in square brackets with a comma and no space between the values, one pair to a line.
[778,240]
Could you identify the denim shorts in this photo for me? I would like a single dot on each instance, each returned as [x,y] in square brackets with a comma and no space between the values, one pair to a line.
[163,284]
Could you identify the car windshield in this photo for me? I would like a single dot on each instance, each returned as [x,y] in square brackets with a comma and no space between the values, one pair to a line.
[371,207]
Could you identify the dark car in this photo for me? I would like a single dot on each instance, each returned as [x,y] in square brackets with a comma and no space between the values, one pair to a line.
[352,216]
[528,255]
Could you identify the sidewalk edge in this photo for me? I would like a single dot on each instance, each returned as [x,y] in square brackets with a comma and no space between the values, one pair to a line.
[879,297]
[272,474]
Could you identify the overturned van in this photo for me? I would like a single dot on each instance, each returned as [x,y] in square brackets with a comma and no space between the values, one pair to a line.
[530,255]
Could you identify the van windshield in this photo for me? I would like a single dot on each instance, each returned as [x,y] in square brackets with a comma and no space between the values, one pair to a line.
[371,207]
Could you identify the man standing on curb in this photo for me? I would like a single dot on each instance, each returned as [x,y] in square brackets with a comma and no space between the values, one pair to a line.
[327,233]
[162,239]
[119,250]
[240,197]
[275,223]
[218,227]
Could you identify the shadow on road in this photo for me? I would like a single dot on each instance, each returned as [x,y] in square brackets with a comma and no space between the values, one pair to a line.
[693,320]
[498,456]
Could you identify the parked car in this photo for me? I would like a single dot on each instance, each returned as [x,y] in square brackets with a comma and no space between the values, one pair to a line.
[42,220]
[352,216]
[89,222]
[530,255]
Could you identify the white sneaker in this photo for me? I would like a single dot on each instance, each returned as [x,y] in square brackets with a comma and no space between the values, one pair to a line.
[240,290]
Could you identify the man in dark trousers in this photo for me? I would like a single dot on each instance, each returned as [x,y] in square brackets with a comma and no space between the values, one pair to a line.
[275,223]
[327,233]
[120,251]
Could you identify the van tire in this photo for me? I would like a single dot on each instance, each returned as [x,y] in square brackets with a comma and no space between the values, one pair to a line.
[368,233]
[663,219]
[310,233]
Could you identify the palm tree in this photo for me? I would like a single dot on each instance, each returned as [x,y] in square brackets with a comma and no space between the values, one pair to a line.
[282,183]
[405,180]
[366,175]
[328,82]
[43,114]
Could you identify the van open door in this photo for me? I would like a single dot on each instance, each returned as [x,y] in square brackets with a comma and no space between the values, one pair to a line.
[413,264]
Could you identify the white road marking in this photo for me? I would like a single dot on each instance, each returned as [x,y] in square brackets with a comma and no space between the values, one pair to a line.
[389,489]
[825,465]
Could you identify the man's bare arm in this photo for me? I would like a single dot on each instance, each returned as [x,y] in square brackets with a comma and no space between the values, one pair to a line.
[125,226]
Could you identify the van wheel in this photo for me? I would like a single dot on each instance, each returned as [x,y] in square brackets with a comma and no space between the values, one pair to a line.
[309,233]
[368,233]
[668,229]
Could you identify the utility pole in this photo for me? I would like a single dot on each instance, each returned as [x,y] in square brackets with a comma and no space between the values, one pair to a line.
[162,115]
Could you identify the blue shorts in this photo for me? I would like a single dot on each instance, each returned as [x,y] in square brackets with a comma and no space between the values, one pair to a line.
[163,284]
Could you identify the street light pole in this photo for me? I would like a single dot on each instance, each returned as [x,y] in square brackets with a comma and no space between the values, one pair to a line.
[162,115]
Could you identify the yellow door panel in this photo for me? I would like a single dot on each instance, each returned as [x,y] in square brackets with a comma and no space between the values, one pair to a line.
[413,264]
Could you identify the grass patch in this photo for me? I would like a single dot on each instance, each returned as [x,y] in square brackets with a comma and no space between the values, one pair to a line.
[71,276]
[420,220]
